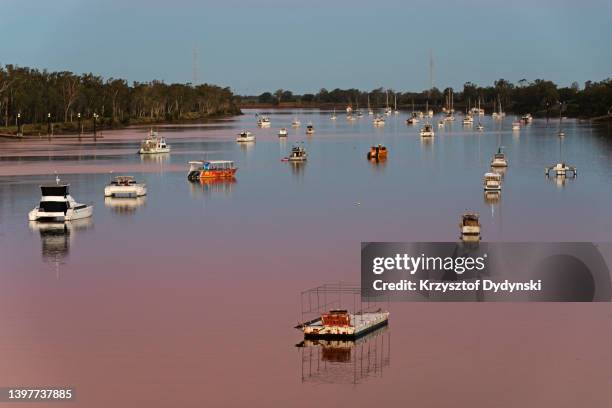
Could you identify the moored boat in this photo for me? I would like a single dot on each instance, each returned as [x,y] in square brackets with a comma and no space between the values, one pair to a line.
[153,144]
[283,132]
[56,204]
[310,129]
[377,153]
[122,186]
[298,154]
[245,136]
[427,131]
[469,226]
[211,169]
[492,181]
[499,159]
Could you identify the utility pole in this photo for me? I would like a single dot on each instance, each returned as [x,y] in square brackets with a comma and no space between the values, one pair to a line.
[80,126]
[19,133]
[95,116]
[49,125]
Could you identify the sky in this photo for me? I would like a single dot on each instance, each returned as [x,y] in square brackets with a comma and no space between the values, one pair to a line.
[264,45]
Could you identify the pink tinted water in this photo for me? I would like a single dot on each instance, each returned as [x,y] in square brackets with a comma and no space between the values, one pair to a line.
[188,297]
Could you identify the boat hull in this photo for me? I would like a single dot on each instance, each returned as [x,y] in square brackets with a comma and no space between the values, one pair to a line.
[71,214]
[133,191]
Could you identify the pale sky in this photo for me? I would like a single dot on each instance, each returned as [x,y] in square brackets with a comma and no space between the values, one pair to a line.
[306,45]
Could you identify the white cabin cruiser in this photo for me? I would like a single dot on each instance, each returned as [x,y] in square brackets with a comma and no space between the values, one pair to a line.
[527,118]
[379,121]
[427,131]
[562,170]
[245,136]
[470,227]
[492,181]
[283,132]
[125,186]
[298,153]
[499,159]
[263,121]
[56,204]
[154,144]
[310,129]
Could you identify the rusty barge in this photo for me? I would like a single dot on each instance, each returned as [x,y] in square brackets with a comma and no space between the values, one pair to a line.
[330,320]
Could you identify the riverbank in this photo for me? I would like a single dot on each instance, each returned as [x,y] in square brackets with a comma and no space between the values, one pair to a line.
[86,126]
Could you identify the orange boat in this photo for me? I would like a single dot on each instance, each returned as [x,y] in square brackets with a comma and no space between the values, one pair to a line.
[377,153]
[211,169]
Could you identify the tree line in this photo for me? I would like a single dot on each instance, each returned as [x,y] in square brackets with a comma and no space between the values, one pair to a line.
[39,96]
[539,97]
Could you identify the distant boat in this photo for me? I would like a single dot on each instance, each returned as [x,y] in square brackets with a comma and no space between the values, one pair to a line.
[395,104]
[213,169]
[264,122]
[153,144]
[245,136]
[298,154]
[296,123]
[283,132]
[492,181]
[427,131]
[122,186]
[370,111]
[378,121]
[310,129]
[388,109]
[333,116]
[516,125]
[499,159]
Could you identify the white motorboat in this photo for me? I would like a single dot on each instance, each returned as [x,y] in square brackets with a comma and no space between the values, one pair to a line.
[263,121]
[492,181]
[427,131]
[499,159]
[298,153]
[430,113]
[296,123]
[283,132]
[56,204]
[125,186]
[468,120]
[470,227]
[245,136]
[480,127]
[516,125]
[378,121]
[562,170]
[153,144]
[441,124]
[310,129]
[527,118]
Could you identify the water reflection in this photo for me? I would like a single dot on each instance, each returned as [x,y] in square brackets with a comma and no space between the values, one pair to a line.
[297,167]
[212,186]
[154,158]
[125,205]
[56,238]
[346,361]
[560,180]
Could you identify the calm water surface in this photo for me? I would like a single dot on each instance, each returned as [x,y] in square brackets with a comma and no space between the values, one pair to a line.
[188,297]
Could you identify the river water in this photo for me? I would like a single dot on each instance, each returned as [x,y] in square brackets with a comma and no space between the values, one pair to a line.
[188,297]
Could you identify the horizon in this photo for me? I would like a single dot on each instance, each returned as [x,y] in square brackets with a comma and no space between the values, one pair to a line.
[563,43]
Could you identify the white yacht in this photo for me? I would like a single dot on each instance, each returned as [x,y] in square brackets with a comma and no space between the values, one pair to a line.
[124,186]
[298,153]
[283,132]
[499,159]
[245,136]
[153,144]
[441,124]
[56,204]
[310,129]
[378,121]
[296,123]
[263,121]
[527,118]
[492,181]
[470,227]
[427,131]
[561,170]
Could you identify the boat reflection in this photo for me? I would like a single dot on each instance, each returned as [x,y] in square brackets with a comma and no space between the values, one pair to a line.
[492,197]
[56,238]
[125,205]
[212,185]
[560,180]
[297,167]
[154,158]
[346,361]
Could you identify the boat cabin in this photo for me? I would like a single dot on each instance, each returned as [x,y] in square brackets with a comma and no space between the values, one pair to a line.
[377,153]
